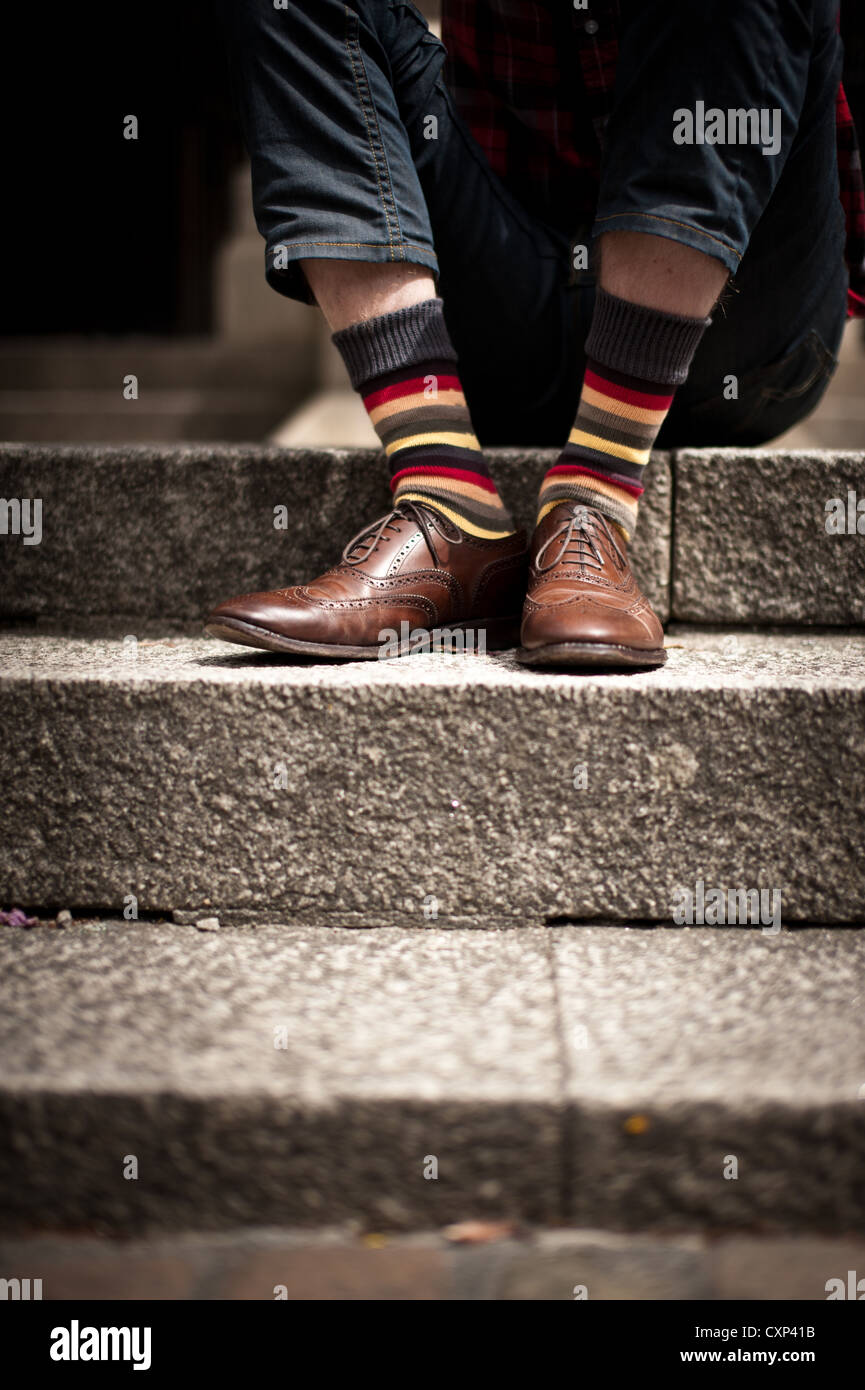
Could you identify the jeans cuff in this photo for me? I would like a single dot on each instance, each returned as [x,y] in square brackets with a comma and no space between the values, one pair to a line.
[284,273]
[674,229]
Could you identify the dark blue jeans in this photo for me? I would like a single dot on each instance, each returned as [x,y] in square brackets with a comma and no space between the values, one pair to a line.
[358,153]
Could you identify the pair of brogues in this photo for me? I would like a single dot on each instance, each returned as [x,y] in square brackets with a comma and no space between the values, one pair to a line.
[568,599]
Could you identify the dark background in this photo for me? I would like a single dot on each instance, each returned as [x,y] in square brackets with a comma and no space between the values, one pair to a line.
[105,235]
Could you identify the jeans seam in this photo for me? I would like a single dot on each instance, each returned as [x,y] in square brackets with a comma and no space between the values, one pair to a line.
[375,147]
[656,217]
[404,245]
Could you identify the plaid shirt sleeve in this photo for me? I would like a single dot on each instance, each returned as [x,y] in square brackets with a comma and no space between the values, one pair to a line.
[510,66]
[853,203]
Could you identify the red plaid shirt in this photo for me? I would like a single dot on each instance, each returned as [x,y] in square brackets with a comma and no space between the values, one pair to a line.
[508,66]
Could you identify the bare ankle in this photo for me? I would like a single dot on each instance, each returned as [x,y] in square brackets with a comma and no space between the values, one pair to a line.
[660,273]
[348,292]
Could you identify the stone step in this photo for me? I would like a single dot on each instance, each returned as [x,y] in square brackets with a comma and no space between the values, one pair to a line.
[101,363]
[167,533]
[654,1080]
[187,775]
[72,389]
[161,414]
[751,543]
[162,533]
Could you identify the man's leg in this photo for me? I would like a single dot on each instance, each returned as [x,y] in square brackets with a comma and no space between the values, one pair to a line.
[772,347]
[354,150]
[358,153]
[348,292]
[660,274]
[332,175]
[390,330]
[674,220]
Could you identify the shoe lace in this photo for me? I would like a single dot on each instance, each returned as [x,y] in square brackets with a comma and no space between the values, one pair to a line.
[428,522]
[580,537]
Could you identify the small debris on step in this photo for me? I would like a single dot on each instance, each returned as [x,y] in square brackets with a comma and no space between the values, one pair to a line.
[15,917]
[478,1232]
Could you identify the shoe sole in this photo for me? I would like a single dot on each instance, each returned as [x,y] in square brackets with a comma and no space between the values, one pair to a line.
[500,633]
[586,654]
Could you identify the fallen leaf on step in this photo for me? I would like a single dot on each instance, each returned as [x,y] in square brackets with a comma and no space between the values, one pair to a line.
[478,1232]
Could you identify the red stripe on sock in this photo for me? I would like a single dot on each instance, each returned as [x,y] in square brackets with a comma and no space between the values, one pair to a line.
[646,399]
[634,489]
[462,475]
[415,387]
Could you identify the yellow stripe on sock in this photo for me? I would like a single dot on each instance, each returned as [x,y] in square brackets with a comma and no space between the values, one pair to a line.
[455,517]
[606,489]
[457,489]
[411,441]
[416,402]
[605,446]
[548,507]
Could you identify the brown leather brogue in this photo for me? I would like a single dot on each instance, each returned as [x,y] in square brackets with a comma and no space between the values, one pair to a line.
[584,607]
[412,581]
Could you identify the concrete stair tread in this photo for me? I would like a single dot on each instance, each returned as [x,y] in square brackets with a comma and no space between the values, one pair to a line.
[699,659]
[578,1074]
[57,391]
[149,768]
[85,364]
[163,399]
[426,1014]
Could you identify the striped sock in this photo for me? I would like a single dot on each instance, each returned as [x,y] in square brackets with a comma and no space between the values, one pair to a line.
[405,368]
[635,359]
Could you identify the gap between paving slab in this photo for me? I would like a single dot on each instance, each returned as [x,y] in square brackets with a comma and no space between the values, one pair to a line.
[602,1078]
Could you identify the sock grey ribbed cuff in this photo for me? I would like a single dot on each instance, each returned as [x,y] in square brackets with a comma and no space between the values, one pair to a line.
[404,338]
[642,342]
